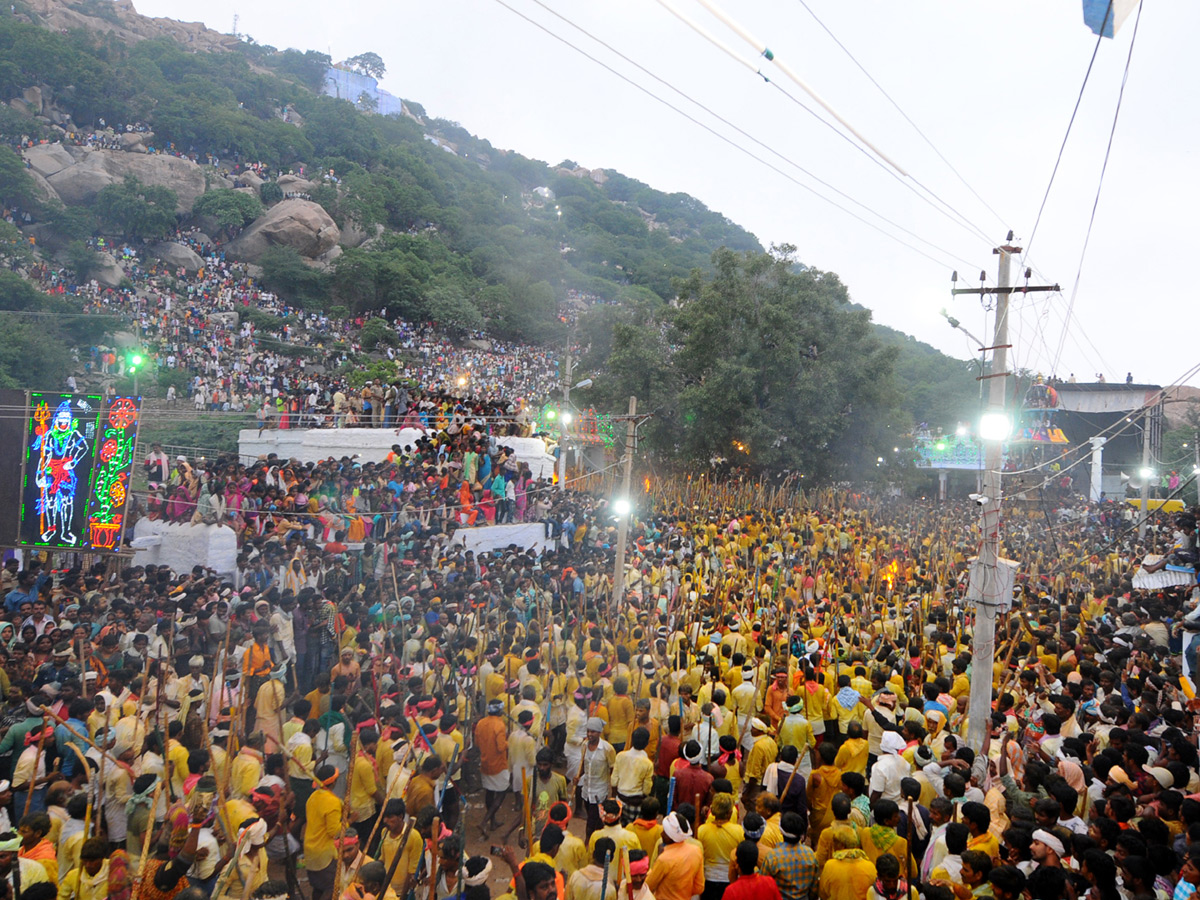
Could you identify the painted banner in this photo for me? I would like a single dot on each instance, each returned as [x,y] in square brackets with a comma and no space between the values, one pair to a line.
[78,461]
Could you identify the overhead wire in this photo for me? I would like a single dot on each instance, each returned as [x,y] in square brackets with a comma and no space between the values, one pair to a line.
[895,171]
[1063,146]
[902,113]
[726,139]
[1103,169]
[738,128]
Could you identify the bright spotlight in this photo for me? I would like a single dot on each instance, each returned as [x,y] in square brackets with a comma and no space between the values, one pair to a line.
[961,431]
[621,507]
[566,418]
[994,426]
[1147,472]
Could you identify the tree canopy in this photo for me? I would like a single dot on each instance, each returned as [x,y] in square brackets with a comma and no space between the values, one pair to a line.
[138,210]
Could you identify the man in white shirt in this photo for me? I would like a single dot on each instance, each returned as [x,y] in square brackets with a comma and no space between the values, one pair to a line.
[890,769]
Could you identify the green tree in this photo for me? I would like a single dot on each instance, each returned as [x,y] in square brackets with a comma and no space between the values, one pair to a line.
[368,64]
[16,187]
[286,273]
[270,192]
[763,364]
[138,210]
[376,332]
[14,246]
[232,209]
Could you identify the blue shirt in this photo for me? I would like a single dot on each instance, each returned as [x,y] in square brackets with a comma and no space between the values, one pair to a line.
[15,597]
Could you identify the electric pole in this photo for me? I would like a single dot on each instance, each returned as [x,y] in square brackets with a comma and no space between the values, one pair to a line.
[989,588]
[1145,473]
[564,416]
[624,506]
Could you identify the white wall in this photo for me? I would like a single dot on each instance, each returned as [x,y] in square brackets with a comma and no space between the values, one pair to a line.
[369,444]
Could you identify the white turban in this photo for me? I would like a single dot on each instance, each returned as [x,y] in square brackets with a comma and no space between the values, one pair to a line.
[675,828]
[1050,841]
[254,833]
[891,742]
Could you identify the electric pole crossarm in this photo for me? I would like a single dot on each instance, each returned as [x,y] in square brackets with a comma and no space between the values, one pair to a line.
[1027,289]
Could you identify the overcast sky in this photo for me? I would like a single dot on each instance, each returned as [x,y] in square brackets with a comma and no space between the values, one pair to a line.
[990,83]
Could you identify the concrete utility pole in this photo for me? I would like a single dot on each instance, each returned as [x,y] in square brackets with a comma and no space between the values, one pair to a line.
[564,417]
[1145,473]
[626,512]
[988,595]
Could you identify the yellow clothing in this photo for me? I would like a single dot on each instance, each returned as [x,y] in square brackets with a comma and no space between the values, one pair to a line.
[719,841]
[633,773]
[961,686]
[761,755]
[620,719]
[177,755]
[78,885]
[323,825]
[388,846]
[846,879]
[986,843]
[852,755]
[245,773]
[898,849]
[363,785]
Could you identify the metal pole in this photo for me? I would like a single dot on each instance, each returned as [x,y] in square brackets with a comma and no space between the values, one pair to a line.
[623,522]
[987,604]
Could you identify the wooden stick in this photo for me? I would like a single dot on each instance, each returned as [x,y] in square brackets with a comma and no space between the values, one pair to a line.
[435,834]
[353,756]
[37,761]
[150,826]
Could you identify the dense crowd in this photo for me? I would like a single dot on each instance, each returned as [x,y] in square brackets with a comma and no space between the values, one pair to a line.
[776,706]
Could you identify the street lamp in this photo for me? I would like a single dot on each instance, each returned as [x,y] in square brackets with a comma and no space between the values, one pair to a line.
[135,361]
[621,507]
[994,426]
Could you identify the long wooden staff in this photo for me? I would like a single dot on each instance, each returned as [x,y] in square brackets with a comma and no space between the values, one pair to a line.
[37,761]
[337,879]
[150,827]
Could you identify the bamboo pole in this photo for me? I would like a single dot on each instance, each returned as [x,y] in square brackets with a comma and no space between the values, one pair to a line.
[37,761]
[337,879]
[150,827]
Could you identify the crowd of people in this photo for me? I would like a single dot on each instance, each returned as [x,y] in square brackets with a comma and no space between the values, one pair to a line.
[775,707]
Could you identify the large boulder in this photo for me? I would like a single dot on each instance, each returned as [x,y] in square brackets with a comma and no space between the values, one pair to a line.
[135,141]
[294,184]
[177,255]
[33,99]
[300,224]
[107,272]
[42,188]
[80,183]
[249,179]
[48,159]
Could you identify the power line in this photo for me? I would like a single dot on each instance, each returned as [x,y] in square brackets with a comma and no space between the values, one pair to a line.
[1063,146]
[1103,169]
[740,148]
[903,114]
[878,159]
[742,131]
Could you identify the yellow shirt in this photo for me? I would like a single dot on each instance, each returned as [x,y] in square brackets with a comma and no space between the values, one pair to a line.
[245,774]
[762,754]
[411,858]
[620,719]
[852,755]
[719,841]
[323,825]
[633,773]
[363,785]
